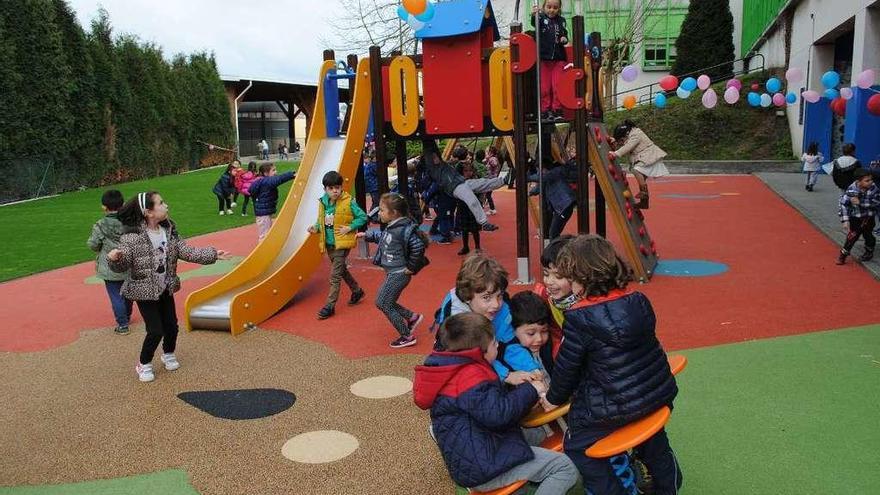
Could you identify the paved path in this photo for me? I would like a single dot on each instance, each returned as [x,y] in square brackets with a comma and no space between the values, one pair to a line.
[819,207]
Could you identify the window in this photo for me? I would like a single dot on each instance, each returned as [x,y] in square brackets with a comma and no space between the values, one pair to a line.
[658,54]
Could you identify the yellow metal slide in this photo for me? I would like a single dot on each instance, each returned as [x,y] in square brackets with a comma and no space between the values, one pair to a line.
[280,265]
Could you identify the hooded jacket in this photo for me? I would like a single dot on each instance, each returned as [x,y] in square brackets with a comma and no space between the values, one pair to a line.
[475,420]
[264,192]
[105,237]
[610,364]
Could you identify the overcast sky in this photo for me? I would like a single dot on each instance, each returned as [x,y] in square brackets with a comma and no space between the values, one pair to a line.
[261,39]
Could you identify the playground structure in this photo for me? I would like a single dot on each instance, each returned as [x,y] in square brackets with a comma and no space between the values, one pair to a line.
[469,88]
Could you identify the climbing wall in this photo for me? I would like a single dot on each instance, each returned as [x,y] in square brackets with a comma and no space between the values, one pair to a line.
[629,220]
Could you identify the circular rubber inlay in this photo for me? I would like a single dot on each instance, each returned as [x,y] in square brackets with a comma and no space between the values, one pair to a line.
[381,387]
[689,268]
[319,447]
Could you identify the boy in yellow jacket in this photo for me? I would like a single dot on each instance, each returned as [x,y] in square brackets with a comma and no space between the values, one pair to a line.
[339,218]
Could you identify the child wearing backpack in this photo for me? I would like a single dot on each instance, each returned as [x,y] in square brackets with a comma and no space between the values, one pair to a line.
[401,254]
[264,192]
[843,168]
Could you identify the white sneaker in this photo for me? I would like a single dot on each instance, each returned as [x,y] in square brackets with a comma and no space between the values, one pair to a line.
[222,213]
[233,205]
[229,212]
[145,372]
[170,361]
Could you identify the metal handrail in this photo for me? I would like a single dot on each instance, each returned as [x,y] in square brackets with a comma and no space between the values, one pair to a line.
[650,95]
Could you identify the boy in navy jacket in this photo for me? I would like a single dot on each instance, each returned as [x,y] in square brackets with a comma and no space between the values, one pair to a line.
[475,420]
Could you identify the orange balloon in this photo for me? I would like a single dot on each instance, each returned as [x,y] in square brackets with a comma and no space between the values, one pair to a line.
[629,102]
[415,7]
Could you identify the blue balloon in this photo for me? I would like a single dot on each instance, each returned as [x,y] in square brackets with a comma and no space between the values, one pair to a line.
[831,93]
[754,99]
[688,84]
[428,14]
[791,98]
[830,79]
[660,100]
[402,13]
[773,85]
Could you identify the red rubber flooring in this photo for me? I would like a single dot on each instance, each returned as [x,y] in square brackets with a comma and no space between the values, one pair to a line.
[782,279]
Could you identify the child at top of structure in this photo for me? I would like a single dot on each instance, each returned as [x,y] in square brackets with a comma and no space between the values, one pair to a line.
[610,364]
[464,218]
[264,192]
[843,168]
[224,188]
[243,183]
[401,254]
[858,207]
[480,287]
[105,237]
[148,252]
[474,418]
[812,160]
[339,218]
[552,38]
[531,321]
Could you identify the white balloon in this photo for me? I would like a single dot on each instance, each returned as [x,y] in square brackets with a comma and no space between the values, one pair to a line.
[846,93]
[682,93]
[766,100]
[710,99]
[731,95]
[414,23]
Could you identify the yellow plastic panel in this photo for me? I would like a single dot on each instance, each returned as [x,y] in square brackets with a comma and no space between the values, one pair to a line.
[501,89]
[403,87]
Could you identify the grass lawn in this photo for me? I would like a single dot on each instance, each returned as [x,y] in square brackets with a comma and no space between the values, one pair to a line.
[52,233]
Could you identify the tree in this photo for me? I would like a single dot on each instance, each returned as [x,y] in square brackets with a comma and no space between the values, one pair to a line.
[706,39]
[366,23]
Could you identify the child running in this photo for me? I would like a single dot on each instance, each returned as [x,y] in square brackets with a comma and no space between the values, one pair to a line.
[475,418]
[148,251]
[858,207]
[611,366]
[264,192]
[339,218]
[104,238]
[401,254]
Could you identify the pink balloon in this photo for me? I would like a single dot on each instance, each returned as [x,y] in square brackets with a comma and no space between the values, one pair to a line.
[865,79]
[710,99]
[731,95]
[846,93]
[734,83]
[779,99]
[703,82]
[794,75]
[811,96]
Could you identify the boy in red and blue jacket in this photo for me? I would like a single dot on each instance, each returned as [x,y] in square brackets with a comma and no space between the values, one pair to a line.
[475,420]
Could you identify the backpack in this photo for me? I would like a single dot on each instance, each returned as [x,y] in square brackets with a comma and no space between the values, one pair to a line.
[423,261]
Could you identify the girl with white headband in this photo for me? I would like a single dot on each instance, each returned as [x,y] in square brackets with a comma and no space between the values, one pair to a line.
[148,251]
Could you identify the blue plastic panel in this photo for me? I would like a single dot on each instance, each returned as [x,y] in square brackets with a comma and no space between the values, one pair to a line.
[817,126]
[455,17]
[862,128]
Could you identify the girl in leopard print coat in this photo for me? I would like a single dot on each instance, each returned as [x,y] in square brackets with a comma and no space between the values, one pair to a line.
[148,251]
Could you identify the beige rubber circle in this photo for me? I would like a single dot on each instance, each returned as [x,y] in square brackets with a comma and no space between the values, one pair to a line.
[381,387]
[318,447]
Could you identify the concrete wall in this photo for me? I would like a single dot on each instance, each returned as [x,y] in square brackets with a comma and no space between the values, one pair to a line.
[812,44]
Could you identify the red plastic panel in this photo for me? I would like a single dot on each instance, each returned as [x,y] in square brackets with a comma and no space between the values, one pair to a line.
[452,83]
[528,52]
[566,88]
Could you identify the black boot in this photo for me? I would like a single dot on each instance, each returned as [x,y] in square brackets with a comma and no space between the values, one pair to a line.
[841,258]
[868,255]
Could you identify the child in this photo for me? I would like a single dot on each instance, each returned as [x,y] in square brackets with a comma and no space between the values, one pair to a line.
[105,237]
[610,364]
[812,161]
[553,38]
[474,418]
[243,182]
[224,188]
[646,160]
[493,170]
[858,206]
[464,218]
[236,174]
[843,168]
[555,289]
[480,288]
[531,322]
[371,180]
[402,254]
[339,218]
[264,192]
[148,251]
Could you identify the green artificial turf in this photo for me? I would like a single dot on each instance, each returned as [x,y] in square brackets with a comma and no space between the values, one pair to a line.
[171,482]
[51,233]
[791,415]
